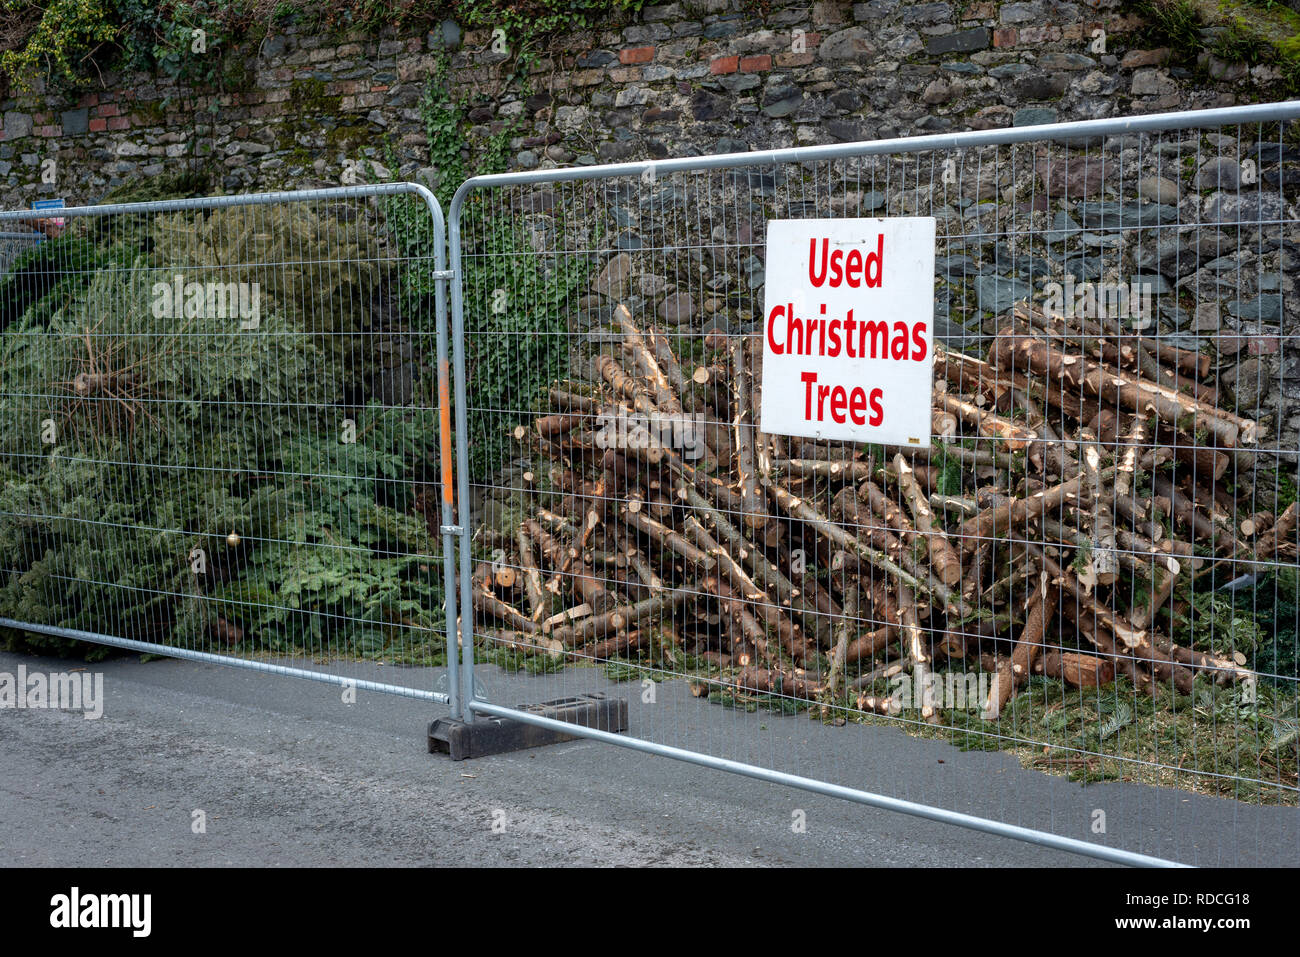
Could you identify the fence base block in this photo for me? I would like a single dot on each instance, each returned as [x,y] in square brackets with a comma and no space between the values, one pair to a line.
[485,736]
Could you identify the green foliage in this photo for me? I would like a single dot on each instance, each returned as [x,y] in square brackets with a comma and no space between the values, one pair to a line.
[1253,32]
[949,481]
[516,302]
[1121,717]
[523,20]
[343,564]
[182,184]
[1172,23]
[57,36]
[1082,558]
[210,436]
[1113,733]
[411,228]
[527,19]
[96,555]
[325,273]
[188,39]
[1286,490]
[515,660]
[1238,43]
[46,275]
[1289,64]
[1261,622]
[62,39]
[444,111]
[1273,608]
[620,670]
[444,122]
[516,308]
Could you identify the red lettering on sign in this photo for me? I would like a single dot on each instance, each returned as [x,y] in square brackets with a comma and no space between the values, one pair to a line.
[839,399]
[844,404]
[877,411]
[808,378]
[835,268]
[853,268]
[858,406]
[776,347]
[877,260]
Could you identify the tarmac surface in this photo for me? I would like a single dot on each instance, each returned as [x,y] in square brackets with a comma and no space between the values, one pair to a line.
[285,773]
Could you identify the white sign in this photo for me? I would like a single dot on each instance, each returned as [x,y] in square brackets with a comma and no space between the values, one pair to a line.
[848,315]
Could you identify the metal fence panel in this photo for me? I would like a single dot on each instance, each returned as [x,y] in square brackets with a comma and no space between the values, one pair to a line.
[1093,568]
[221,435]
[15,242]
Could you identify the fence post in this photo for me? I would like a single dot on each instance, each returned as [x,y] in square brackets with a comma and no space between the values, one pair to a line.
[466,632]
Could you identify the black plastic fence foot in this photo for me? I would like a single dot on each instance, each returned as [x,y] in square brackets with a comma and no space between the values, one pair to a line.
[492,735]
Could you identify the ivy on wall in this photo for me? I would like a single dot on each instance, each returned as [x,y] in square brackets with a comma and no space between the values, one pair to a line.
[54,37]
[512,295]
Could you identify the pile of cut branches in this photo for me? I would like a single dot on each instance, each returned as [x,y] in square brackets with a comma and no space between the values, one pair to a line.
[1070,486]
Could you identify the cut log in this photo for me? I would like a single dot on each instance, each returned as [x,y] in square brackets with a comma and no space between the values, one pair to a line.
[844,628]
[550,426]
[798,684]
[527,642]
[1042,606]
[913,641]
[1102,559]
[1015,352]
[622,618]
[1013,435]
[666,537]
[1077,669]
[566,617]
[944,560]
[644,361]
[565,401]
[751,503]
[997,520]
[943,426]
[765,573]
[494,607]
[1256,523]
[623,384]
[835,470]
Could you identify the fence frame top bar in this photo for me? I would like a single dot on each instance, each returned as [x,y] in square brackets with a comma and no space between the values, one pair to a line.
[1196,119]
[224,202]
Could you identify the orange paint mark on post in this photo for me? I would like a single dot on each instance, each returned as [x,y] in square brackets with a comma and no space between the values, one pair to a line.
[444,422]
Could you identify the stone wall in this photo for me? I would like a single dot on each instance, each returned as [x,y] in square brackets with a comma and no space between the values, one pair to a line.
[704,76]
[695,76]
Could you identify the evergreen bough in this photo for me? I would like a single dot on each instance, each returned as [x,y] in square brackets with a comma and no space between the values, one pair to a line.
[135,449]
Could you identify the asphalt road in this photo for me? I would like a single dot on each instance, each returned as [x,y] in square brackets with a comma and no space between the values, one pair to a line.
[285,773]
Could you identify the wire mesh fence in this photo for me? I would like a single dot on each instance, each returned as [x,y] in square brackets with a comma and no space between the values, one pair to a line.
[15,242]
[1090,569]
[220,432]
[225,433]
